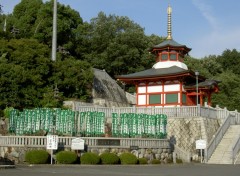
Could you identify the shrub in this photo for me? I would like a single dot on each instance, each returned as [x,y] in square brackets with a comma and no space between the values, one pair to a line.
[90,158]
[66,157]
[109,158]
[179,161]
[37,157]
[128,158]
[142,161]
[155,161]
[170,160]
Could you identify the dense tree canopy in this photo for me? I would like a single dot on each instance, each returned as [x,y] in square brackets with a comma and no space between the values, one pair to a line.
[114,43]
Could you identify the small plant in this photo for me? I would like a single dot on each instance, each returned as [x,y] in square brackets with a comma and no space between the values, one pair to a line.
[142,161]
[66,157]
[7,111]
[128,158]
[155,161]
[109,158]
[37,157]
[90,158]
[179,161]
[169,160]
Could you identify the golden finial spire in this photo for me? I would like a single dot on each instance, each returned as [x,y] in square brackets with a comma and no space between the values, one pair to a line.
[169,11]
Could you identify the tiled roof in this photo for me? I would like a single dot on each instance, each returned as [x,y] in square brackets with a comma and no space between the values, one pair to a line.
[155,72]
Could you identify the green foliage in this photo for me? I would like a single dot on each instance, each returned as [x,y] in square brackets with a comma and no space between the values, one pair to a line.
[7,111]
[109,158]
[37,157]
[179,161]
[116,44]
[155,161]
[90,158]
[66,157]
[128,158]
[142,161]
[30,78]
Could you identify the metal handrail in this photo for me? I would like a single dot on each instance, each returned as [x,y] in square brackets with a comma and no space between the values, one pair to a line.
[235,149]
[218,137]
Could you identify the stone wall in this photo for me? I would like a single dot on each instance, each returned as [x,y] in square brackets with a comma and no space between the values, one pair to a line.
[183,132]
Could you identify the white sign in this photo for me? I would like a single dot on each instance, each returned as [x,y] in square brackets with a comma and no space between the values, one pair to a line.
[52,142]
[201,144]
[77,144]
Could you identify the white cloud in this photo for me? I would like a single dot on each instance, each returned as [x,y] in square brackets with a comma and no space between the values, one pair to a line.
[206,10]
[216,42]
[218,38]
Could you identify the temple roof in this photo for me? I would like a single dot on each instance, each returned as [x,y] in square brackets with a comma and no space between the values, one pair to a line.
[170,43]
[207,83]
[152,72]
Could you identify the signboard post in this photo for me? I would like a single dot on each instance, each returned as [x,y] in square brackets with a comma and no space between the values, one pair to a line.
[52,143]
[201,144]
[77,144]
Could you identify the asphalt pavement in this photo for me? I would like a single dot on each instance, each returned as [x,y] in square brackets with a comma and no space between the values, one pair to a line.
[121,170]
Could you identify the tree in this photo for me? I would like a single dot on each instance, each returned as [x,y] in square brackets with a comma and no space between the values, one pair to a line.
[74,78]
[1,11]
[33,19]
[115,44]
[24,75]
[230,60]
[25,15]
[229,95]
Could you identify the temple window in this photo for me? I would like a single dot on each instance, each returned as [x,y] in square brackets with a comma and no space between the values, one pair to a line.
[173,56]
[164,57]
[155,99]
[171,98]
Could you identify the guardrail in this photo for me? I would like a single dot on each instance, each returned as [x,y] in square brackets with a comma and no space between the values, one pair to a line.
[235,150]
[230,120]
[177,111]
[41,141]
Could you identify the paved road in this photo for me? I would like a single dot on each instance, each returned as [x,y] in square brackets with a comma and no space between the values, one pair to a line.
[143,170]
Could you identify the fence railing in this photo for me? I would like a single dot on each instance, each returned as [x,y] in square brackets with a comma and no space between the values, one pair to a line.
[235,150]
[182,111]
[41,141]
[230,120]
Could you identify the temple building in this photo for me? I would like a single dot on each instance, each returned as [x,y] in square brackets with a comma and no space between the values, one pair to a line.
[169,82]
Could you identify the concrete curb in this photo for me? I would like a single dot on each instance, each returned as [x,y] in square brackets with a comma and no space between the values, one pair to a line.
[7,166]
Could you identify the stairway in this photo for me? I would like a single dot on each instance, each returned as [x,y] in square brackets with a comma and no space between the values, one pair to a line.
[223,152]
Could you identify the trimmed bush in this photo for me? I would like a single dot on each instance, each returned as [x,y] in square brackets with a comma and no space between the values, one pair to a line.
[109,158]
[37,157]
[66,157]
[128,158]
[142,161]
[179,161]
[90,158]
[155,161]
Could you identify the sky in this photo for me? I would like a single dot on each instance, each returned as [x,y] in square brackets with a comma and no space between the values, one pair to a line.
[207,26]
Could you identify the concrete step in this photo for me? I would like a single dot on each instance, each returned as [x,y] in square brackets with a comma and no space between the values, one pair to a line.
[223,152]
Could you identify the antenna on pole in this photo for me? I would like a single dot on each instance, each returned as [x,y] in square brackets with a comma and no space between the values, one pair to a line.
[54,34]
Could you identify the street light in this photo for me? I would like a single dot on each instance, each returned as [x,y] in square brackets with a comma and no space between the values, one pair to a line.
[197,73]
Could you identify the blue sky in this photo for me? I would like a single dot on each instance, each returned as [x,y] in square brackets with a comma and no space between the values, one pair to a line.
[207,26]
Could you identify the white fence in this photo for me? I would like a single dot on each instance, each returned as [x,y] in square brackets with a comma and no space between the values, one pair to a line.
[41,141]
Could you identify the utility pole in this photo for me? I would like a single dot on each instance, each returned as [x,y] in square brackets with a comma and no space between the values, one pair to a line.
[54,32]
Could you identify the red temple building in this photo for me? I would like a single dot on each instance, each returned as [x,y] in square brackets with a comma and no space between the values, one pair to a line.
[169,82]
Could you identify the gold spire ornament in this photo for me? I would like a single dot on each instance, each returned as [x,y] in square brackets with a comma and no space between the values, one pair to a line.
[169,11]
